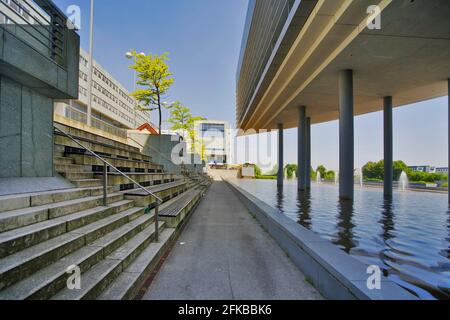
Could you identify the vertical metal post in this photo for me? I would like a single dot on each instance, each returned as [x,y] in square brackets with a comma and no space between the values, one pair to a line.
[280,176]
[346,135]
[388,148]
[301,148]
[157,221]
[105,184]
[308,153]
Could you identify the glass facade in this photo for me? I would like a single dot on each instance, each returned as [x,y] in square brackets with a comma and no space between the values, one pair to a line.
[214,136]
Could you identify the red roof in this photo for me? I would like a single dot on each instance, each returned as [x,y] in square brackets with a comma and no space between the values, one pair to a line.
[147,126]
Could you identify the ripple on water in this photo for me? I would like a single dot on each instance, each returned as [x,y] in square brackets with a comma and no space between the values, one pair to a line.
[408,236]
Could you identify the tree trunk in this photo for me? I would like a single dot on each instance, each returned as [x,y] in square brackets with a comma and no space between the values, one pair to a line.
[160,113]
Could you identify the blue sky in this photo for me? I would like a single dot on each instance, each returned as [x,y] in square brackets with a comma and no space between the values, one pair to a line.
[203,38]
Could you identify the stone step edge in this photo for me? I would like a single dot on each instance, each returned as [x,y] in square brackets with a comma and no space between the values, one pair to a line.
[85,236]
[85,257]
[115,263]
[55,227]
[127,285]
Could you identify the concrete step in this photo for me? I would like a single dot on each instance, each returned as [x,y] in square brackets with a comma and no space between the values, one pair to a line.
[48,281]
[85,183]
[60,168]
[73,175]
[19,239]
[102,274]
[128,283]
[14,219]
[20,201]
[173,212]
[100,148]
[26,262]
[115,179]
[62,161]
[93,141]
[90,160]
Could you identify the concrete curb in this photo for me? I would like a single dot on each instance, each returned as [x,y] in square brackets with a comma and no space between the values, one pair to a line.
[335,274]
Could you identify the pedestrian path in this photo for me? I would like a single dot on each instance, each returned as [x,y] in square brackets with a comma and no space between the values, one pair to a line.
[223,253]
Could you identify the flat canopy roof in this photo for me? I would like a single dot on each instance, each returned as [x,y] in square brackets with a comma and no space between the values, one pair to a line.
[408,58]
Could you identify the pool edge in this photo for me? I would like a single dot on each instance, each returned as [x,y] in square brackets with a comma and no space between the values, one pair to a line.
[335,274]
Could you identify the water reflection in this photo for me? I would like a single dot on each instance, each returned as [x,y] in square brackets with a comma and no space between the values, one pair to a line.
[304,208]
[280,198]
[345,237]
[407,235]
[446,253]
[387,220]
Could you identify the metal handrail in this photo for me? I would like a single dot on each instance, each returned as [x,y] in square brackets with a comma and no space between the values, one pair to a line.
[105,174]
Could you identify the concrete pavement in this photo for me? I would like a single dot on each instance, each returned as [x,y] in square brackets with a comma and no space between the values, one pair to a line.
[223,253]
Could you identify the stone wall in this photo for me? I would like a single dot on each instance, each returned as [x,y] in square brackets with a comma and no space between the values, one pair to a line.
[26,131]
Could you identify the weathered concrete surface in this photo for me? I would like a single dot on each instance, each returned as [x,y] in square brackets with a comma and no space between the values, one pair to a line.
[225,254]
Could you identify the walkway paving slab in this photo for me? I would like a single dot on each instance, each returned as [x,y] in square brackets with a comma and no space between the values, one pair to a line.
[225,254]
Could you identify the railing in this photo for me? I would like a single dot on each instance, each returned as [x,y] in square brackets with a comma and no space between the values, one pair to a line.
[80,116]
[39,23]
[159,201]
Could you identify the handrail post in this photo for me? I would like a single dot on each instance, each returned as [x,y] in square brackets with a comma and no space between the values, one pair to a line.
[157,221]
[105,182]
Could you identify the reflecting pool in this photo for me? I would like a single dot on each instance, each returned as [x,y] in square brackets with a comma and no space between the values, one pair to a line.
[407,236]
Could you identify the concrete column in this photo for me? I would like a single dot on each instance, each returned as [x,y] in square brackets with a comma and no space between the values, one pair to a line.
[388,148]
[449,138]
[301,148]
[280,177]
[308,153]
[346,135]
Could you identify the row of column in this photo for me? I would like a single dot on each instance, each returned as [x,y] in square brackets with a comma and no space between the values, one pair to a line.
[346,142]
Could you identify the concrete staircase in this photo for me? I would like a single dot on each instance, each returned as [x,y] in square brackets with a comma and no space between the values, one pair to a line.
[43,235]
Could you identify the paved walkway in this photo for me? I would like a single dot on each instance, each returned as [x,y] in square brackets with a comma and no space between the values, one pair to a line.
[223,253]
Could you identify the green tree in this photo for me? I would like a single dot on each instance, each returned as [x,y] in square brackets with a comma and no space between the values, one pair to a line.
[181,119]
[290,170]
[373,170]
[322,170]
[313,174]
[399,167]
[330,175]
[154,80]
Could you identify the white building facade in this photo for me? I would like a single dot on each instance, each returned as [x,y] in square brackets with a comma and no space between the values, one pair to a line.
[113,110]
[216,138]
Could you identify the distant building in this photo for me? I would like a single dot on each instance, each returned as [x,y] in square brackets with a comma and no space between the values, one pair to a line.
[215,135]
[429,169]
[113,110]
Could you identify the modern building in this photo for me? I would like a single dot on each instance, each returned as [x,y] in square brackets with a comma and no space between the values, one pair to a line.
[443,170]
[216,138]
[426,169]
[429,169]
[39,59]
[113,110]
[312,61]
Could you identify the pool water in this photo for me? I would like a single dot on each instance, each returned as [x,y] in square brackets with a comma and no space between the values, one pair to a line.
[407,236]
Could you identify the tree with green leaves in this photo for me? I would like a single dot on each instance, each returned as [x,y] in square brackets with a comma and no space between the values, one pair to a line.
[322,170]
[291,169]
[154,80]
[181,119]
